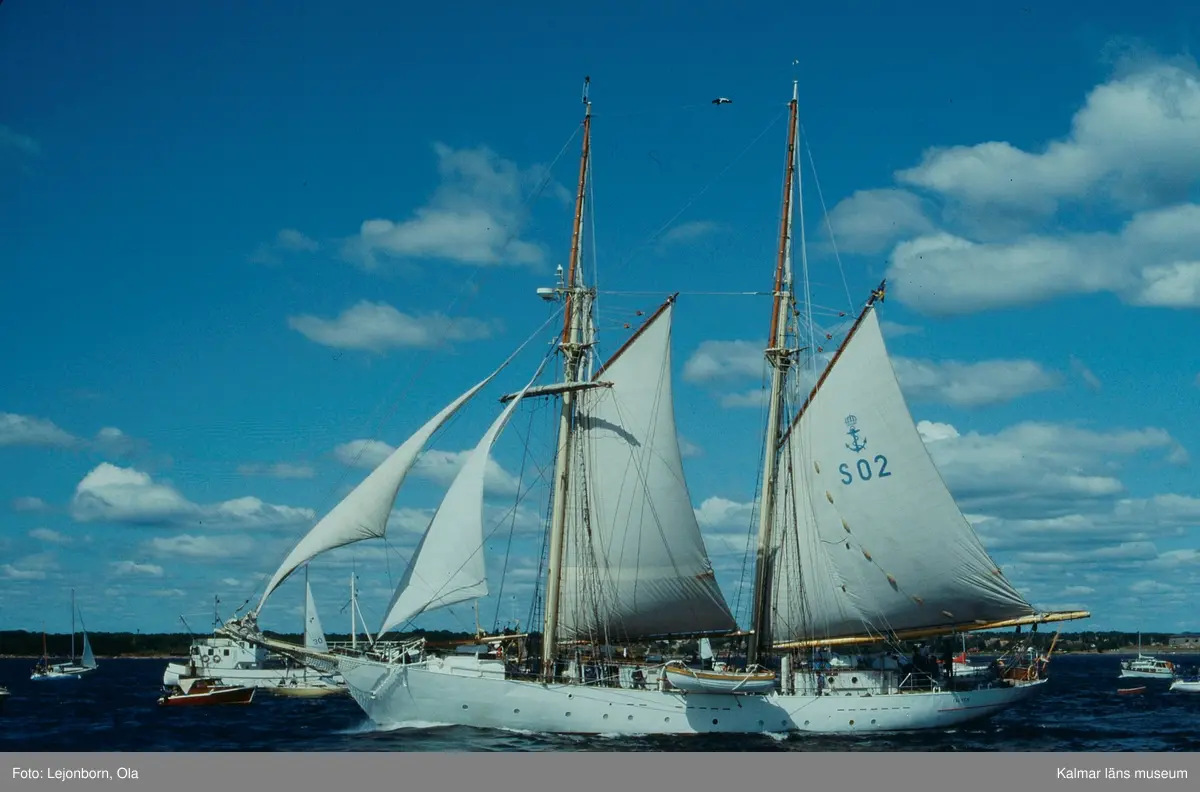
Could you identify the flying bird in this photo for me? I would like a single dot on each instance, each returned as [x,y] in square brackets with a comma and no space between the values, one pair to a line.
[720,100]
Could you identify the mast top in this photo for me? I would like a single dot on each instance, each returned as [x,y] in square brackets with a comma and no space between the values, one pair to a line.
[587,81]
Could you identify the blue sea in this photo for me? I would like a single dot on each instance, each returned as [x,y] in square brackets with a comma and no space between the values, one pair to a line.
[115,709]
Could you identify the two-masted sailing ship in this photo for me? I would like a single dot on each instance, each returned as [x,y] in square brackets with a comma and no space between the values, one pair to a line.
[860,544]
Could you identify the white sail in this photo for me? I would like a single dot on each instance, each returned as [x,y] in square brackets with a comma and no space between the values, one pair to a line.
[314,634]
[635,563]
[868,537]
[448,566]
[88,660]
[363,514]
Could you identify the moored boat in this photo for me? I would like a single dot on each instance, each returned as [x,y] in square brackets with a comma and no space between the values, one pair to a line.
[195,691]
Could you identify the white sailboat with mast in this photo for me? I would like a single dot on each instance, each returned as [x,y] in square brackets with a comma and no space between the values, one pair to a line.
[853,548]
[44,671]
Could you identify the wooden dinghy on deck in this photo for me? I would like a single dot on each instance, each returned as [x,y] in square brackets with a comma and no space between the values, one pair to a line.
[719,680]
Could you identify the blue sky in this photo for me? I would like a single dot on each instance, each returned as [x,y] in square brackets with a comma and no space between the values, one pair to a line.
[231,238]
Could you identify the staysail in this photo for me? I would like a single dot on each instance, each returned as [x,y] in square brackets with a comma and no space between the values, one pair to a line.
[868,537]
[449,566]
[635,563]
[314,634]
[363,514]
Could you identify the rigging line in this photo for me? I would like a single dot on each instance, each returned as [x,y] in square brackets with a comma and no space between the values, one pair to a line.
[505,364]
[662,229]
[696,293]
[512,530]
[468,292]
[440,591]
[465,291]
[812,163]
[674,109]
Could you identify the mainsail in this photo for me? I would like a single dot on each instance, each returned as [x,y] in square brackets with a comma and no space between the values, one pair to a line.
[363,514]
[868,537]
[635,563]
[449,566]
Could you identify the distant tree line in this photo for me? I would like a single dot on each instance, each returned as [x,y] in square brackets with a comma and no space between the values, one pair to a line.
[20,643]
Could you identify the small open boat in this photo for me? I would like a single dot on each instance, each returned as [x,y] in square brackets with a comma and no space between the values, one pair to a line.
[198,691]
[719,680]
[1131,691]
[1186,685]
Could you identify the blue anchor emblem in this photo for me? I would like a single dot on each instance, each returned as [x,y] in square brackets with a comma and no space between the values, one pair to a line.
[857,442]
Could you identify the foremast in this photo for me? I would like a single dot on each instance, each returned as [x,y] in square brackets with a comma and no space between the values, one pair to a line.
[780,356]
[575,345]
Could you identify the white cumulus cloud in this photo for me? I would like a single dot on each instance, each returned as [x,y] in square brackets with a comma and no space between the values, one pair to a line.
[476,216]
[377,327]
[110,493]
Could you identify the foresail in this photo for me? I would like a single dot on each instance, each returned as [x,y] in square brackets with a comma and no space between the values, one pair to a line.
[868,537]
[449,566]
[88,660]
[635,564]
[363,514]
[314,634]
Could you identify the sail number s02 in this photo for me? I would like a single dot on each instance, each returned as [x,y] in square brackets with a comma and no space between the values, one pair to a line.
[865,470]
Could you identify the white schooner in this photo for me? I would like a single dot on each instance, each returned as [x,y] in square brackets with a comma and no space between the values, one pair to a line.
[859,543]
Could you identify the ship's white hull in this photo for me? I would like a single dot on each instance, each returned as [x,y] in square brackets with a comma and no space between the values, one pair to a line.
[1186,686]
[247,677]
[395,695]
[1128,674]
[62,672]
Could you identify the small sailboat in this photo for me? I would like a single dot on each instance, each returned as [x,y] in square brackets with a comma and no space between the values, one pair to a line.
[310,683]
[1146,666]
[45,671]
[199,691]
[1186,686]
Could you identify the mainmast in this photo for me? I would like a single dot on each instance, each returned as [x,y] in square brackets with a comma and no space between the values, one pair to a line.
[577,309]
[780,358]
